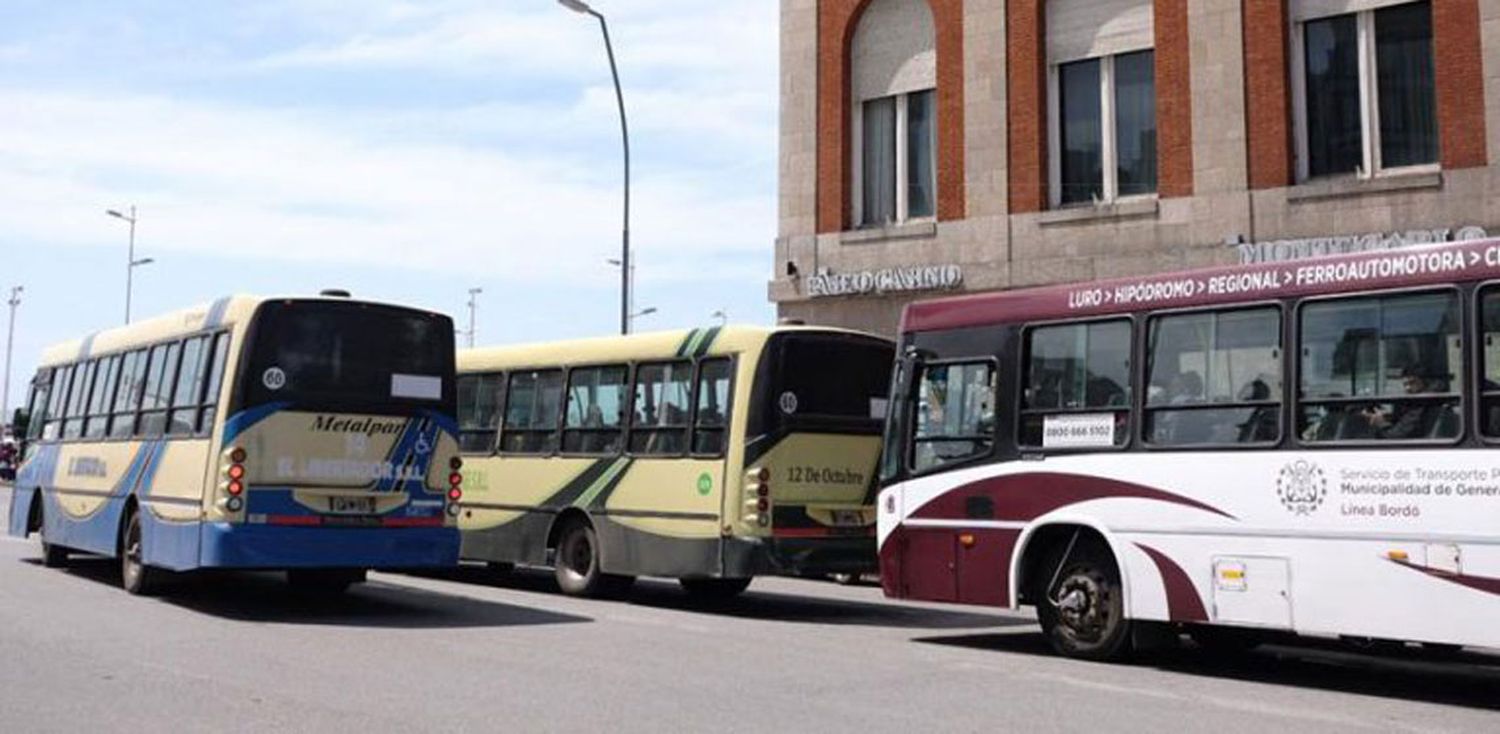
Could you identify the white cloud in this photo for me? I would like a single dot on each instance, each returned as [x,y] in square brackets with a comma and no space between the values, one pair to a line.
[307,186]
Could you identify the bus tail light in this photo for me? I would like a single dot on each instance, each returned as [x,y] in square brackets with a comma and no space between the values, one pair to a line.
[758,496]
[233,483]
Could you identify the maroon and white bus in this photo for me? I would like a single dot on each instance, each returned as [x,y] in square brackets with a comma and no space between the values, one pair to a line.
[1302,447]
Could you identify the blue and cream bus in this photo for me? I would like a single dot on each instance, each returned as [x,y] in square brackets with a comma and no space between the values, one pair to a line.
[315,435]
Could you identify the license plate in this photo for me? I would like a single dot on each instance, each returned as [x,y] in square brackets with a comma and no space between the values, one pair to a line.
[848,518]
[352,505]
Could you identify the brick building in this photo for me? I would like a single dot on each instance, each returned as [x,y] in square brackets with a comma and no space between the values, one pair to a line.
[932,146]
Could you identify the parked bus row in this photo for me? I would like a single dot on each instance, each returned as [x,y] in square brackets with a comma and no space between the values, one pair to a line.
[1286,448]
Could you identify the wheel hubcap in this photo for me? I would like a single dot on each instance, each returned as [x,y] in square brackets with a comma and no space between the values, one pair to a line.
[1081,608]
[579,556]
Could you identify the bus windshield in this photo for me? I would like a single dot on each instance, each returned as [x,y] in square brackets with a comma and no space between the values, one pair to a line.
[833,380]
[328,355]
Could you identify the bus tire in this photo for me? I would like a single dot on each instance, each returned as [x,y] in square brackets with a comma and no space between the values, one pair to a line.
[323,581]
[1083,613]
[577,561]
[714,589]
[53,555]
[135,576]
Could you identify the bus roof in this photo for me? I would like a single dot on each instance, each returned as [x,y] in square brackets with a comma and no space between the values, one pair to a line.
[635,347]
[224,312]
[1408,267]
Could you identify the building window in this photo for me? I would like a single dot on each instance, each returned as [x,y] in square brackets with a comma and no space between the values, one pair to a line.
[1367,95]
[1104,129]
[897,178]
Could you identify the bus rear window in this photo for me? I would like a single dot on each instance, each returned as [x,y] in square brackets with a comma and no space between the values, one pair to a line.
[835,377]
[325,355]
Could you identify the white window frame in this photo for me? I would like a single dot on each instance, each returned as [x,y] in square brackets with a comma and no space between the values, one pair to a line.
[1369,87]
[857,152]
[1107,122]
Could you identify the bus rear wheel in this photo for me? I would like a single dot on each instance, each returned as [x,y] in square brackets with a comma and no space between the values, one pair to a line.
[53,555]
[1083,612]
[714,589]
[135,576]
[577,564]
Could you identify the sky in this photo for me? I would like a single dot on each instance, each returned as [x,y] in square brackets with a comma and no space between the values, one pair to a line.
[404,151]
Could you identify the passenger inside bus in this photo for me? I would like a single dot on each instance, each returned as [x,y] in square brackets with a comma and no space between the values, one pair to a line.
[1413,419]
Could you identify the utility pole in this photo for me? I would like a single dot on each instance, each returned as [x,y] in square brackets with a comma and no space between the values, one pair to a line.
[473,306]
[131,262]
[10,338]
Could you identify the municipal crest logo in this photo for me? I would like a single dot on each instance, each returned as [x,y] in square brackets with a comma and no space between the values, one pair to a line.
[1302,487]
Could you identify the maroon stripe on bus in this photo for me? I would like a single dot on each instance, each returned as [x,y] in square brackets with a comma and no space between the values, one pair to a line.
[294,520]
[1183,602]
[1024,497]
[1408,267]
[412,522]
[1487,584]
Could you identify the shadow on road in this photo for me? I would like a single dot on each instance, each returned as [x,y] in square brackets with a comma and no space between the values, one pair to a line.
[1462,679]
[753,604]
[266,598]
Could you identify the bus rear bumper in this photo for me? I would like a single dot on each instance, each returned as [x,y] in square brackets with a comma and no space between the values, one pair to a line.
[274,547]
[799,556]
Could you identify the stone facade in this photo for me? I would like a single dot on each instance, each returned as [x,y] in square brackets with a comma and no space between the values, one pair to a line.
[1226,154]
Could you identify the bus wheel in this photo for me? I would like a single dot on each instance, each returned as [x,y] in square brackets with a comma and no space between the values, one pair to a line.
[577,568]
[1083,612]
[714,589]
[53,556]
[137,577]
[323,581]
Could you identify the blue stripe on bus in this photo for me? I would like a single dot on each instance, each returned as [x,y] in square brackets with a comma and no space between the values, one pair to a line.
[274,546]
[216,313]
[156,450]
[448,423]
[243,420]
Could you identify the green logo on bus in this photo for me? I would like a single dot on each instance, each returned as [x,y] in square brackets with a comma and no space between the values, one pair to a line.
[705,484]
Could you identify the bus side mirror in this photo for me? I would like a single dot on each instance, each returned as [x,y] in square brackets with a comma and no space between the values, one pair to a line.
[19,423]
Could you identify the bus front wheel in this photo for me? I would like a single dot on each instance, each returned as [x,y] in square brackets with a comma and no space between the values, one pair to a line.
[137,577]
[1083,612]
[577,569]
[714,589]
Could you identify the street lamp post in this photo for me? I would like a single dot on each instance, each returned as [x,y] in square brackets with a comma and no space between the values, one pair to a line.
[578,6]
[10,337]
[629,305]
[131,262]
[473,306]
[722,315]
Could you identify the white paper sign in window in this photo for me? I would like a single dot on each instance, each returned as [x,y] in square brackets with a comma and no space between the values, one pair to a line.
[417,387]
[1078,430]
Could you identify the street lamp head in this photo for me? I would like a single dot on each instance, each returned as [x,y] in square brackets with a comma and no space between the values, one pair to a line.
[576,6]
[114,214]
[142,261]
[615,261]
[647,311]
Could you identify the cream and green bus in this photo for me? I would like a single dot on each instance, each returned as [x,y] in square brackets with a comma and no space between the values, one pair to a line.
[314,435]
[710,456]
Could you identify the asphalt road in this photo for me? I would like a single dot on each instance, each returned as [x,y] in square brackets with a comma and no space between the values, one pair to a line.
[239,652]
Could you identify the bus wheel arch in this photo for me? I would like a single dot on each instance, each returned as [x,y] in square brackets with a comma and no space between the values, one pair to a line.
[34,511]
[578,557]
[53,555]
[136,576]
[1074,576]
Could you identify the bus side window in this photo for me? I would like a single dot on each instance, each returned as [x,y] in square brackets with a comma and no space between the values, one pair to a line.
[1381,368]
[57,403]
[182,421]
[41,394]
[158,391]
[596,410]
[479,412]
[1077,382]
[97,422]
[1214,378]
[83,377]
[955,414]
[210,409]
[660,411]
[128,395]
[532,412]
[1489,383]
[711,407]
